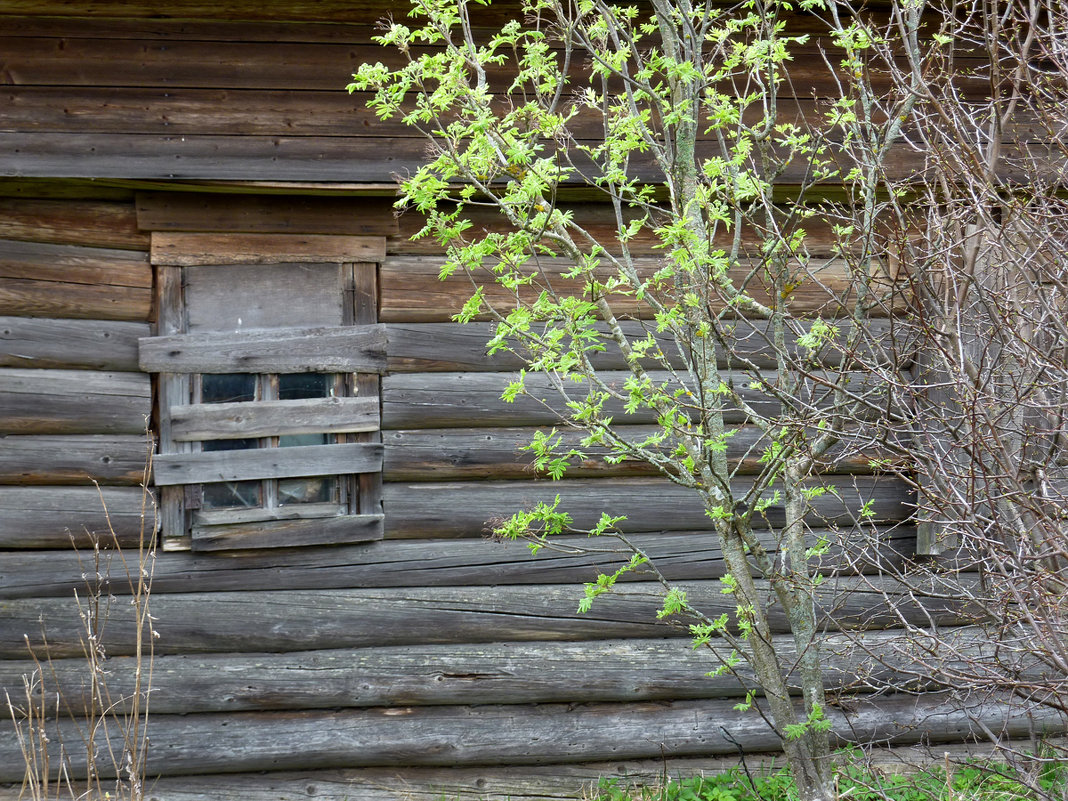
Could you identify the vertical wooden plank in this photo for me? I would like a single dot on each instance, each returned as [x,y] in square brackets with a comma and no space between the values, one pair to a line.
[365,311]
[173,389]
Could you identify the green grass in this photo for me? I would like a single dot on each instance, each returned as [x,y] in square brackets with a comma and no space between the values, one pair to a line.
[970,782]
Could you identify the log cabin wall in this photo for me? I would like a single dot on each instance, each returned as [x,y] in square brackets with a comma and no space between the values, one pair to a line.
[426,662]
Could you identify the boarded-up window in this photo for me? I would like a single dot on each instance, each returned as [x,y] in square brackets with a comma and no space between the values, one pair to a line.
[268,392]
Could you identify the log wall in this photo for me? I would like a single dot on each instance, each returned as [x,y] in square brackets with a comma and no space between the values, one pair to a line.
[431,661]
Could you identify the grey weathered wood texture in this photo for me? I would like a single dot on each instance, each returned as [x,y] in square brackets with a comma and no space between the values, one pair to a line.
[413,292]
[460,400]
[73,344]
[56,517]
[430,563]
[438,454]
[48,280]
[455,347]
[504,783]
[273,418]
[343,349]
[491,673]
[67,459]
[464,508]
[461,735]
[297,532]
[304,620]
[303,215]
[242,465]
[71,222]
[73,402]
[272,296]
[184,249]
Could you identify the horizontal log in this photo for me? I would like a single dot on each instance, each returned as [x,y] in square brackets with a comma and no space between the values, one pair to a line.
[241,465]
[273,418]
[48,280]
[462,400]
[517,735]
[342,349]
[493,673]
[184,249]
[436,563]
[448,400]
[455,347]
[416,510]
[73,402]
[439,454]
[303,620]
[412,290]
[337,530]
[56,517]
[519,783]
[105,458]
[327,158]
[78,344]
[72,222]
[266,214]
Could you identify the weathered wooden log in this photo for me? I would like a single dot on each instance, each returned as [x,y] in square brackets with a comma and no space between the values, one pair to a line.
[517,735]
[493,673]
[47,280]
[185,249]
[412,290]
[517,783]
[106,458]
[54,517]
[439,454]
[78,344]
[242,465]
[273,418]
[73,402]
[71,222]
[462,400]
[340,349]
[466,508]
[430,563]
[303,620]
[455,347]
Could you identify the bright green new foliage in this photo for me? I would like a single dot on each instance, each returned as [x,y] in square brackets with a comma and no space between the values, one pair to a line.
[694,271]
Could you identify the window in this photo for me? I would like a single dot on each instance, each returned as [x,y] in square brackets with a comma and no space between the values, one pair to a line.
[268,406]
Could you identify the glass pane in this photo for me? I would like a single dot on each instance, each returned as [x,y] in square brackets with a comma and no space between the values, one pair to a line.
[305,490]
[289,440]
[304,385]
[232,493]
[227,388]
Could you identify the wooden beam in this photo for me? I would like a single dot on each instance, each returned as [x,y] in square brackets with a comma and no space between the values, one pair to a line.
[415,510]
[273,418]
[305,620]
[456,347]
[488,673]
[436,563]
[299,215]
[73,402]
[521,734]
[71,222]
[339,349]
[47,280]
[79,344]
[106,458]
[461,400]
[440,454]
[184,249]
[339,530]
[56,517]
[412,290]
[294,462]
